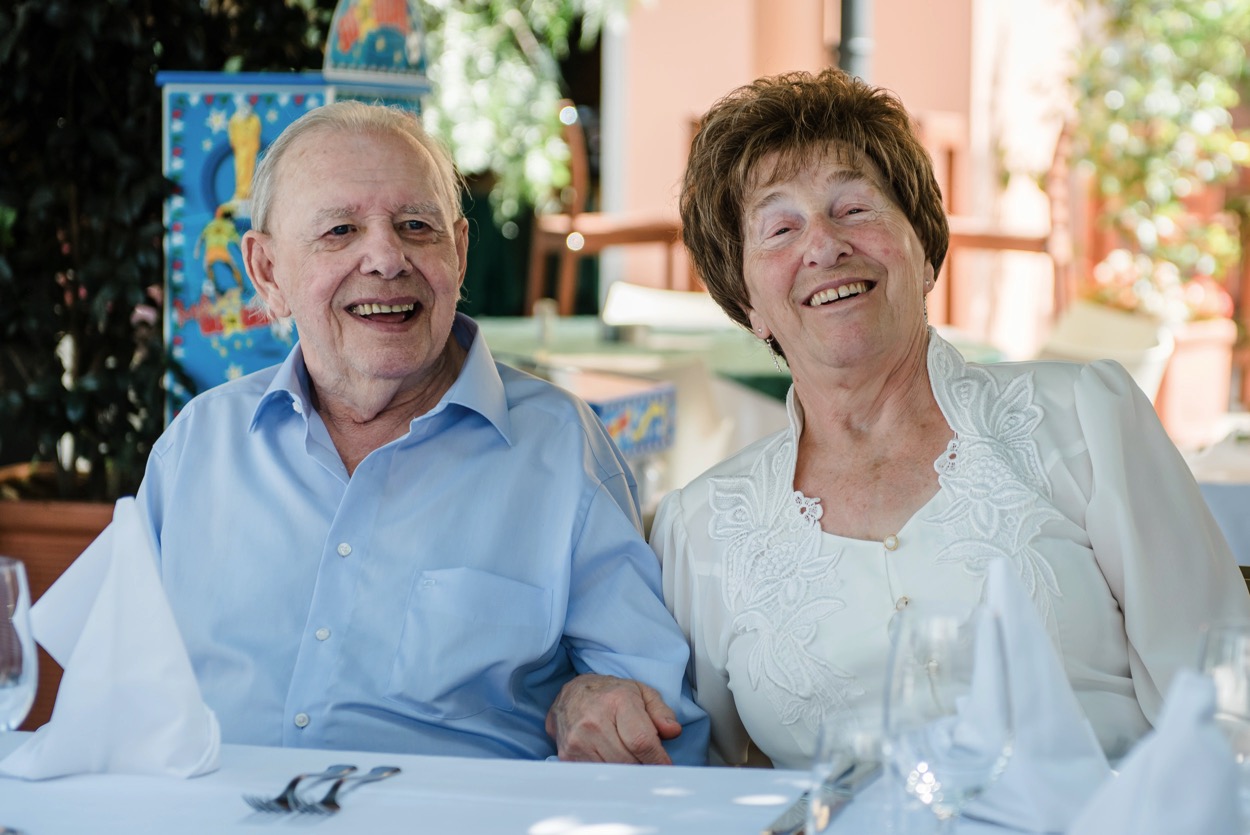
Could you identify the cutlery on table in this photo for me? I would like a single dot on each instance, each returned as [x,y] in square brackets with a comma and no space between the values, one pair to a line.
[835,794]
[287,800]
[330,804]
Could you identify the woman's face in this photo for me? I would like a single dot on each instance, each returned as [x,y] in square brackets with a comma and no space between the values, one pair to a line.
[833,269]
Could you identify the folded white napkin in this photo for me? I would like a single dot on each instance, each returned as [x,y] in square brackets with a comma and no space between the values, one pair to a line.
[1181,777]
[128,702]
[1056,762]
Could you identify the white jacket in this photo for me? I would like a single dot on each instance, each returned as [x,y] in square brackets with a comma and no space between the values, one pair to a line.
[1062,468]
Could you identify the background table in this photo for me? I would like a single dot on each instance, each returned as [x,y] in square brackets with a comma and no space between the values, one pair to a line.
[729,392]
[1223,474]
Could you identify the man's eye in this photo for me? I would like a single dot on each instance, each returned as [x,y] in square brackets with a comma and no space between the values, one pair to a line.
[415,225]
[341,229]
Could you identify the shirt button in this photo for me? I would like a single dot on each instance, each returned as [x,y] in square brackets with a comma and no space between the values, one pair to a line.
[344,549]
[298,407]
[322,633]
[901,603]
[890,542]
[301,720]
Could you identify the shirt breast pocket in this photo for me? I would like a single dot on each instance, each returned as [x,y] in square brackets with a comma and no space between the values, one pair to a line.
[466,633]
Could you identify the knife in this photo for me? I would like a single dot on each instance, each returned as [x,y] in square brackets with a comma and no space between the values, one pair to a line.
[835,793]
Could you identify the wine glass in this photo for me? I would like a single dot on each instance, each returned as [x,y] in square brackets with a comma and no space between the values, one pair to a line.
[1224,655]
[948,726]
[848,751]
[18,662]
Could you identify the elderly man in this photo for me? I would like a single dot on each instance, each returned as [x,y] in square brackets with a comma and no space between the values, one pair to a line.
[407,546]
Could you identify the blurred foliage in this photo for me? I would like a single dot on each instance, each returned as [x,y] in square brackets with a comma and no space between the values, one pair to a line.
[1156,84]
[82,363]
[494,66]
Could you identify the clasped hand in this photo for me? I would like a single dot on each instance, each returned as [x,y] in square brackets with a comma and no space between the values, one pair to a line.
[613,720]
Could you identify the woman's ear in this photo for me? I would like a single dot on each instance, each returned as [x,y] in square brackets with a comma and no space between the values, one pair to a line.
[758,327]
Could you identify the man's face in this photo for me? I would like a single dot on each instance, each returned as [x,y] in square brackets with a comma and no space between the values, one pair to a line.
[363,252]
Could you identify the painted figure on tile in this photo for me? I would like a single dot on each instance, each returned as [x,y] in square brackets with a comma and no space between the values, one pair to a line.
[215,240]
[244,132]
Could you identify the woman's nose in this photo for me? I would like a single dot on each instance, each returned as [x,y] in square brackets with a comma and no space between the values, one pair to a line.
[826,242]
[384,254]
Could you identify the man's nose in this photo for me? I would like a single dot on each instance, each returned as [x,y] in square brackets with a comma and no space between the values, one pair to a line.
[384,253]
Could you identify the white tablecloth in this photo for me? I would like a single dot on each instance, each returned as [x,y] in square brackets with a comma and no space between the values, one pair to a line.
[438,795]
[432,794]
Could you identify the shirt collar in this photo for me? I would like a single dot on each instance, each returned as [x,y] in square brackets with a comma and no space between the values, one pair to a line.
[477,388]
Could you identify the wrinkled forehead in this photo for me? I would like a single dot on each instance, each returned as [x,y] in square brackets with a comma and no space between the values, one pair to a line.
[789,163]
[313,155]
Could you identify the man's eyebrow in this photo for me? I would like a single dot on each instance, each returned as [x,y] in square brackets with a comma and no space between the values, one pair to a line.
[333,213]
[345,212]
[429,208]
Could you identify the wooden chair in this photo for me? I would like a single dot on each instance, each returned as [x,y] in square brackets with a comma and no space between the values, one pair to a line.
[1056,241]
[573,233]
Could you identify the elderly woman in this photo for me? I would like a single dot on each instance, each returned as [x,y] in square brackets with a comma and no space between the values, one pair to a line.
[811,212]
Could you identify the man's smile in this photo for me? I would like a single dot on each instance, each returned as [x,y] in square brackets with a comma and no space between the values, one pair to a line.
[391,313]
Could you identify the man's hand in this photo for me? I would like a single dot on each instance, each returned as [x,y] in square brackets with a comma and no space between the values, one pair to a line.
[611,720]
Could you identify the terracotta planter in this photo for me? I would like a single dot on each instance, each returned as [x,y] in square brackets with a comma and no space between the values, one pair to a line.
[1195,392]
[47,537]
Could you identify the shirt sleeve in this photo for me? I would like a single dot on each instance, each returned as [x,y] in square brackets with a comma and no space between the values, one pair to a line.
[686,594]
[617,624]
[1156,542]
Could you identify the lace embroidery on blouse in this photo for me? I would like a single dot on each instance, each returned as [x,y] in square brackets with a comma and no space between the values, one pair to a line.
[999,494]
[781,587]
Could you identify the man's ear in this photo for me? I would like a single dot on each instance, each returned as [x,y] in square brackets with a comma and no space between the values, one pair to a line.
[461,231]
[258,258]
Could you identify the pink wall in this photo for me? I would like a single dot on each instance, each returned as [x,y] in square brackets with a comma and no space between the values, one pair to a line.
[679,56]
[991,67]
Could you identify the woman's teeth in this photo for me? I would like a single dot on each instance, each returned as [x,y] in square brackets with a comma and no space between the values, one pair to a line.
[832,295]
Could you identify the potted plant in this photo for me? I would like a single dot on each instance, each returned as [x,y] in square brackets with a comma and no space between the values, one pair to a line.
[1155,85]
[82,362]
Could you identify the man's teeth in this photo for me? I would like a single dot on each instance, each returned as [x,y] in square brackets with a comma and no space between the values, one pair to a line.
[832,295]
[370,309]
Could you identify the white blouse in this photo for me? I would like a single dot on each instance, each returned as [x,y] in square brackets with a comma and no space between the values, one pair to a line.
[1062,468]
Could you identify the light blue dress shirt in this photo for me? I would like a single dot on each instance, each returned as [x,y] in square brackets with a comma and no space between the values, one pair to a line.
[433,602]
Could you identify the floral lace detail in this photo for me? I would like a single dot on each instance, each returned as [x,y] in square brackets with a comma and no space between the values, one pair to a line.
[993,475]
[780,585]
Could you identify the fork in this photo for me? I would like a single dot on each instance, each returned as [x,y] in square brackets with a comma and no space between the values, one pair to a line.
[288,801]
[330,804]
